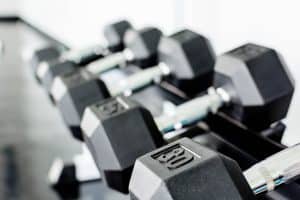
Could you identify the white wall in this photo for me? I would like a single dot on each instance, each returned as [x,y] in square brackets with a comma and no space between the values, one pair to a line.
[79,22]
[227,23]
[8,7]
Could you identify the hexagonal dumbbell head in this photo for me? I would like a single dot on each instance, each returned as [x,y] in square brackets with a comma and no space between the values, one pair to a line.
[259,82]
[143,45]
[73,92]
[190,57]
[62,179]
[48,71]
[74,59]
[117,131]
[184,170]
[114,34]
[66,178]
[44,55]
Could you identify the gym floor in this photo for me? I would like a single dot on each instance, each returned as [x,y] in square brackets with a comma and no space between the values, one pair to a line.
[32,134]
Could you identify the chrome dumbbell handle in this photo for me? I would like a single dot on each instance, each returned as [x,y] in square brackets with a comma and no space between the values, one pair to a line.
[275,170]
[138,80]
[78,55]
[110,61]
[193,110]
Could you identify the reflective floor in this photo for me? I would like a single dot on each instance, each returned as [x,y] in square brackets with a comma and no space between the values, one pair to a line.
[31,132]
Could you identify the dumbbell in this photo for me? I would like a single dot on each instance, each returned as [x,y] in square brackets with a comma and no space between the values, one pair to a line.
[140,49]
[66,178]
[186,170]
[72,60]
[74,91]
[119,130]
[185,54]
[45,54]
[50,53]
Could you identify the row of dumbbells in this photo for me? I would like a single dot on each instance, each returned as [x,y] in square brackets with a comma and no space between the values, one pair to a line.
[250,84]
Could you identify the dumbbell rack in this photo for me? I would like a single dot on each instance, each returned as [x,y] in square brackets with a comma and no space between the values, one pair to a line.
[243,145]
[249,147]
[235,141]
